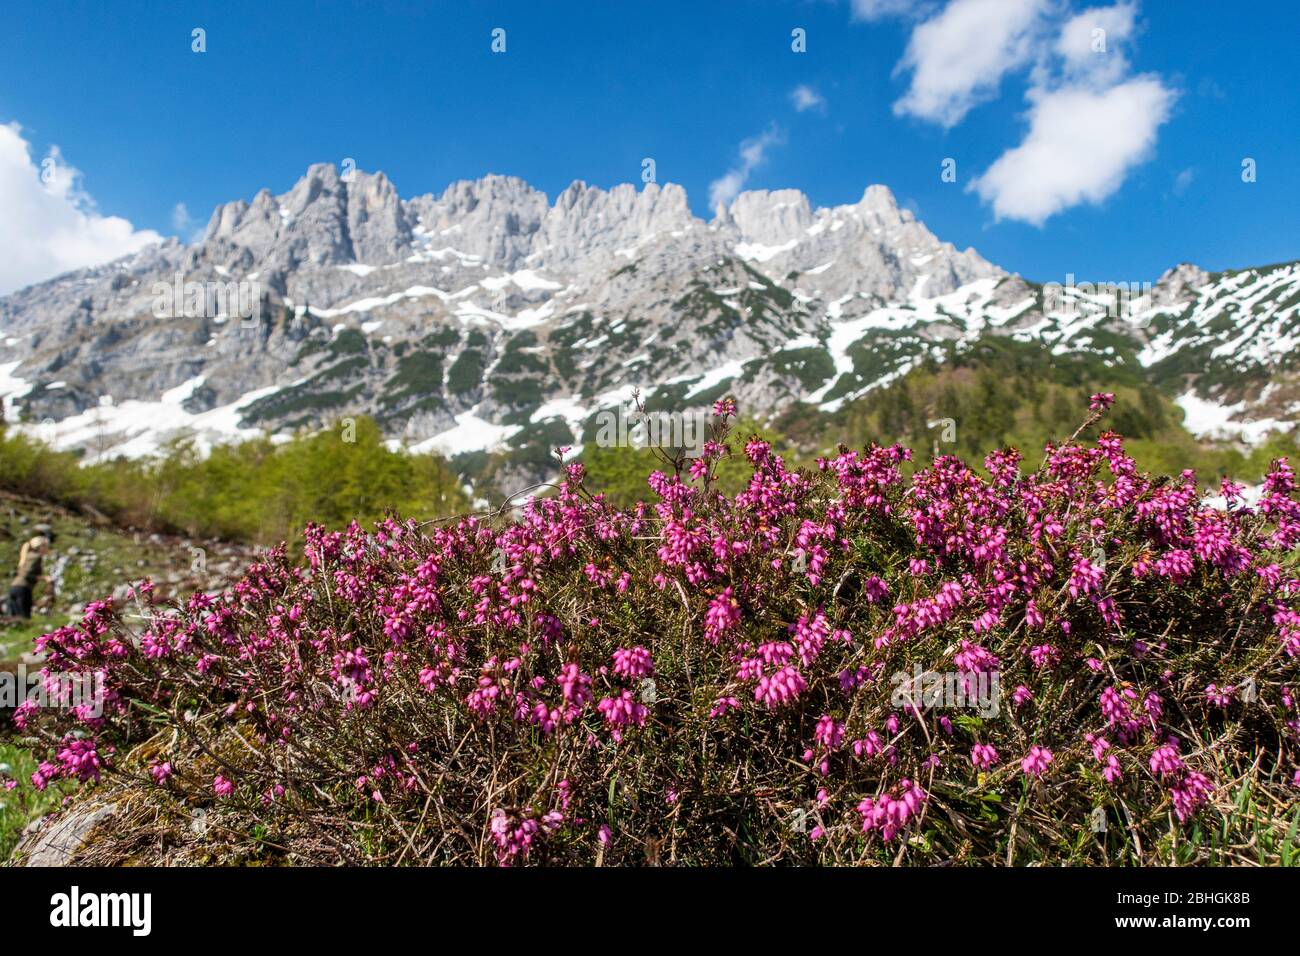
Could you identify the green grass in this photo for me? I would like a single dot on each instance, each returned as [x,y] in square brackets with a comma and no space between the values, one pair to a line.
[16,639]
[23,804]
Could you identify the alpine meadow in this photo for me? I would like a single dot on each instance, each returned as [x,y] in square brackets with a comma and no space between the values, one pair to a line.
[583,436]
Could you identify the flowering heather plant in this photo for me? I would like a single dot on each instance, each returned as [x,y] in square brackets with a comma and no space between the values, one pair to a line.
[709,679]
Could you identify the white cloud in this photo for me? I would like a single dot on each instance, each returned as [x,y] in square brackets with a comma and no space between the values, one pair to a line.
[48,224]
[1090,123]
[1090,120]
[804,98]
[959,56]
[1183,181]
[1090,44]
[752,154]
[1081,144]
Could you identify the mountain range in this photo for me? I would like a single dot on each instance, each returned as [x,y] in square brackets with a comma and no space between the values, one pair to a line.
[491,320]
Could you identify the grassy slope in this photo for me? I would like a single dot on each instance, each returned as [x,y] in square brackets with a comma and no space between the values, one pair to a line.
[997,393]
[105,557]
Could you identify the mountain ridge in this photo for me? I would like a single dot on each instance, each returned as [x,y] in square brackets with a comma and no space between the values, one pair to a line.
[488,317]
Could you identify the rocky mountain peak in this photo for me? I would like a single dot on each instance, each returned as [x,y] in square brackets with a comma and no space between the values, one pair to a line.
[1180,281]
[771,217]
[878,201]
[589,224]
[489,317]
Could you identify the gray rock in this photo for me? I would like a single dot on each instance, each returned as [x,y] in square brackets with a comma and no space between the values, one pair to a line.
[56,839]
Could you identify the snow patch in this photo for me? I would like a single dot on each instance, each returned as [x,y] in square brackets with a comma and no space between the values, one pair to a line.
[357,269]
[756,252]
[1209,419]
[378,302]
[138,429]
[470,433]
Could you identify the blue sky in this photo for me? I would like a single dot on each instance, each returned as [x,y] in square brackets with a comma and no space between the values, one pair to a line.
[588,90]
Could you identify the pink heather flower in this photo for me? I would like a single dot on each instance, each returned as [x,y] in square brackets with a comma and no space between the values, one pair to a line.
[1165,761]
[1034,763]
[1043,655]
[1218,697]
[623,711]
[79,758]
[722,705]
[1177,565]
[810,635]
[888,813]
[1114,704]
[829,732]
[724,407]
[633,662]
[1099,746]
[1153,705]
[575,687]
[971,658]
[868,746]
[504,648]
[850,679]
[757,450]
[24,711]
[723,615]
[482,701]
[1085,577]
[1033,616]
[780,688]
[1101,401]
[1190,794]
[515,837]
[43,774]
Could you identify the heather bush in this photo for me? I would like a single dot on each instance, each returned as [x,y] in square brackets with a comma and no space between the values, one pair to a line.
[710,678]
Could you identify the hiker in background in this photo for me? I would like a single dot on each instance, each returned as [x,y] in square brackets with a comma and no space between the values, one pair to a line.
[30,565]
